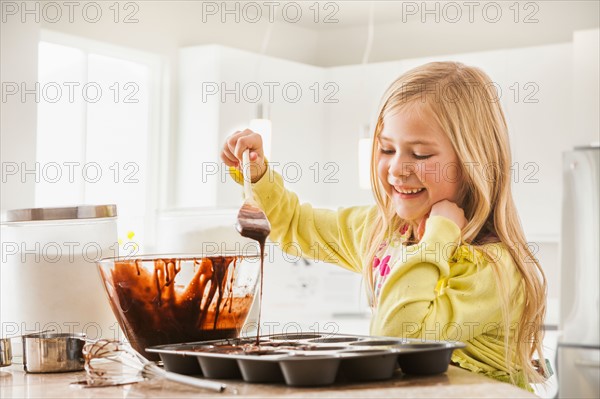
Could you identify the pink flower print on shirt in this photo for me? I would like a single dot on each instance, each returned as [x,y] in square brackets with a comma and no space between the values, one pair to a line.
[376,262]
[384,270]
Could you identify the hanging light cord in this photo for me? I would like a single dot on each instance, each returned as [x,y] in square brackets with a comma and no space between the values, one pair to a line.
[370,31]
[261,111]
[263,48]
[266,39]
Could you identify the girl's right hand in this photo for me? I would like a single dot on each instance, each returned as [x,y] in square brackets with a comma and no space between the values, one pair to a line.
[234,147]
[449,210]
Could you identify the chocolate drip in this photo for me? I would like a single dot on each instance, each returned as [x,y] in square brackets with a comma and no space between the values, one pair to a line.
[260,235]
[220,272]
[262,263]
[253,223]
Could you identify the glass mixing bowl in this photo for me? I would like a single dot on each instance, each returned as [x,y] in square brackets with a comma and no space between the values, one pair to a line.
[167,299]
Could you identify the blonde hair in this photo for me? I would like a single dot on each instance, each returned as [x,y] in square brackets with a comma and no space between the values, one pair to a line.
[464,103]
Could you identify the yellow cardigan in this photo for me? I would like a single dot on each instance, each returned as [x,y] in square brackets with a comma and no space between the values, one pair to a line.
[426,294]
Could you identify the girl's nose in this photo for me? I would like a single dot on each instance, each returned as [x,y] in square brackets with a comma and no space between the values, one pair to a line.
[401,168]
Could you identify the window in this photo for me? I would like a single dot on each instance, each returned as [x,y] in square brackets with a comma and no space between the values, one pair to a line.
[98,124]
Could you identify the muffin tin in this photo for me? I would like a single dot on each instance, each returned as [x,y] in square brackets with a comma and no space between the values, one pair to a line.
[307,359]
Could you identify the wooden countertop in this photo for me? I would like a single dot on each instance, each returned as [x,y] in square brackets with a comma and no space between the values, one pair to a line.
[455,383]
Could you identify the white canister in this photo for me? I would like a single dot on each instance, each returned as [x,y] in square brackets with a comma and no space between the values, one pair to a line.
[49,278]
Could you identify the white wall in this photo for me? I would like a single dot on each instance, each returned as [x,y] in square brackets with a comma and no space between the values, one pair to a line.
[586,85]
[206,121]
[197,136]
[18,119]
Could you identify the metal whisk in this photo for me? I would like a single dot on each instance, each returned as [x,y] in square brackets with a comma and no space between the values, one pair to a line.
[110,362]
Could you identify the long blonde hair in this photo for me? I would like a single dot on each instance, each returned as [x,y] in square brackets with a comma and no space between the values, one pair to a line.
[464,103]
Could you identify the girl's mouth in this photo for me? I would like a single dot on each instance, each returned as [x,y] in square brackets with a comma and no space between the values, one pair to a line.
[408,193]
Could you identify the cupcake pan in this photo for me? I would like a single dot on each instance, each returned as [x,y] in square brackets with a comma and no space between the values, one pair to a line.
[307,359]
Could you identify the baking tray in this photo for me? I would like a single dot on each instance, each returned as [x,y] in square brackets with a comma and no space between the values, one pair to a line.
[307,359]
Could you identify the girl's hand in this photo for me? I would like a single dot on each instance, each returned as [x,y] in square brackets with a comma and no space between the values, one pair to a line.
[451,211]
[234,147]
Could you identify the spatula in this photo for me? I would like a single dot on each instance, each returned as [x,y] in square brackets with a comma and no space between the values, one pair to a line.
[251,220]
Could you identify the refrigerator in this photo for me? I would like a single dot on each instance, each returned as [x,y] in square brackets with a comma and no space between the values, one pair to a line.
[578,349]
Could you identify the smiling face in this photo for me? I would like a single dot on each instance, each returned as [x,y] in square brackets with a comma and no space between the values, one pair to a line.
[416,163]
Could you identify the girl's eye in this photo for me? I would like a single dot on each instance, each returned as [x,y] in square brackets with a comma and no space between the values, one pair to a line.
[386,151]
[420,157]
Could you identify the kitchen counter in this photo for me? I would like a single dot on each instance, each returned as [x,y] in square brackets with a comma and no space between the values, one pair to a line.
[455,383]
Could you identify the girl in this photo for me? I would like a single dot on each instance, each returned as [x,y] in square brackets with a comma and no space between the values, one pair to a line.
[443,253]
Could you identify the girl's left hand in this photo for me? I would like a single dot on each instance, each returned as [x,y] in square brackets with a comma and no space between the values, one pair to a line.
[449,210]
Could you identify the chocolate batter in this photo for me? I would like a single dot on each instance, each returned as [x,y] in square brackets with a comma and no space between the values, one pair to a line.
[153,311]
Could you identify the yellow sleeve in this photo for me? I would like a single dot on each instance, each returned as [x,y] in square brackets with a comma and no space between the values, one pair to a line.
[439,290]
[337,237]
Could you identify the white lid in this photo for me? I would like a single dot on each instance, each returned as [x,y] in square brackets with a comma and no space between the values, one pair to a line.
[71,212]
